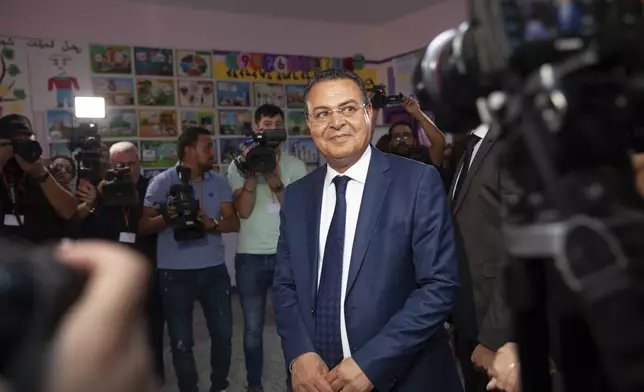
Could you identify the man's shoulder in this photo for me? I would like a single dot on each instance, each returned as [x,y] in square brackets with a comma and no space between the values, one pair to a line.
[408,167]
[215,177]
[162,179]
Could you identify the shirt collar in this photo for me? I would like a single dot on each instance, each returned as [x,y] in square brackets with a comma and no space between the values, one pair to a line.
[357,172]
[481,131]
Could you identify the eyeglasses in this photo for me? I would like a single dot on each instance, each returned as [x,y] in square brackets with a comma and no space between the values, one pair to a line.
[323,117]
[403,136]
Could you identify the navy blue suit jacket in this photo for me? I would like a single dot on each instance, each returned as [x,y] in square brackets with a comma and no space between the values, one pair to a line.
[402,279]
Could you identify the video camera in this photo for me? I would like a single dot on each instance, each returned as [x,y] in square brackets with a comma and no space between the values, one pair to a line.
[380,99]
[181,210]
[258,154]
[85,144]
[118,188]
[559,82]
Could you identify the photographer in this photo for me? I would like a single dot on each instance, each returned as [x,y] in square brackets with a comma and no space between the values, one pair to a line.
[258,198]
[33,204]
[193,269]
[120,224]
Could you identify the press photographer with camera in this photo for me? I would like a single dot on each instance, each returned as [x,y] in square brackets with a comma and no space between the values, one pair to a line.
[190,206]
[258,197]
[34,206]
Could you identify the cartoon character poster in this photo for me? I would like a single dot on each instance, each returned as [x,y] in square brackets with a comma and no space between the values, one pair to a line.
[155,92]
[59,71]
[269,93]
[118,123]
[296,123]
[116,91]
[153,61]
[59,123]
[111,59]
[235,122]
[199,119]
[295,96]
[192,63]
[157,123]
[158,153]
[233,94]
[15,92]
[196,93]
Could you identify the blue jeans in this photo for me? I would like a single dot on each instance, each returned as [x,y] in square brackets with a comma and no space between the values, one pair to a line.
[254,275]
[179,291]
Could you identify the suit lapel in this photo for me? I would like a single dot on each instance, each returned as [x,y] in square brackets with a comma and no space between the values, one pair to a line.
[313,209]
[373,196]
[483,150]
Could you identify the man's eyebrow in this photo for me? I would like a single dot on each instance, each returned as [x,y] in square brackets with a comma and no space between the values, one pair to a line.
[340,105]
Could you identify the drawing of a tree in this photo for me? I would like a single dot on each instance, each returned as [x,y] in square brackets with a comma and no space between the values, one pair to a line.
[8,72]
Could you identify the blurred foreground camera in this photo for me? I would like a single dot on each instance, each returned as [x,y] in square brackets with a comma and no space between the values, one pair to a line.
[258,154]
[181,210]
[118,188]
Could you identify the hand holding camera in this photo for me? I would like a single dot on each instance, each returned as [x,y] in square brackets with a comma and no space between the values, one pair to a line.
[87,193]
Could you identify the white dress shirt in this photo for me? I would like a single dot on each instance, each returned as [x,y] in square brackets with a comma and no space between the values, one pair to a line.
[481,132]
[355,188]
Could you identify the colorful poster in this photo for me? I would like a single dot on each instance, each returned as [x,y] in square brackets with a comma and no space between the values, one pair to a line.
[229,147]
[155,92]
[233,94]
[59,149]
[111,59]
[158,153]
[116,91]
[151,173]
[59,71]
[194,63]
[153,61]
[260,67]
[296,123]
[304,149]
[196,93]
[269,93]
[235,122]
[157,123]
[295,96]
[118,123]
[200,119]
[59,123]
[15,92]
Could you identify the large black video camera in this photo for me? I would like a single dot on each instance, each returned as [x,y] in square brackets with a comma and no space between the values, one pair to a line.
[559,82]
[380,99]
[181,210]
[118,188]
[258,154]
[85,144]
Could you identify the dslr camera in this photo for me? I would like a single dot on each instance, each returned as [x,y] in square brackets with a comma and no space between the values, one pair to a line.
[85,144]
[181,210]
[258,154]
[27,149]
[118,188]
[380,99]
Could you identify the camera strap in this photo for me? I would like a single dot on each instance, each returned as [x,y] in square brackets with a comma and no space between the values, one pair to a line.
[12,192]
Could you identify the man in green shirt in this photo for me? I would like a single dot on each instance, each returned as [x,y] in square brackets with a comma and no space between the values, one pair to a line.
[258,199]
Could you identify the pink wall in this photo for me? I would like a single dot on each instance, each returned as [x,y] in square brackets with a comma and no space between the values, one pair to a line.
[117,22]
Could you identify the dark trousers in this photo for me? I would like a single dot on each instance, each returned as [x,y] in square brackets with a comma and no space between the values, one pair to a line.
[254,276]
[179,291]
[156,325]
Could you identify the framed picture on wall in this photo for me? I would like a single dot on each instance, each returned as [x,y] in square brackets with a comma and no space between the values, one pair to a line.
[295,96]
[117,91]
[233,94]
[196,93]
[158,123]
[269,93]
[235,122]
[198,118]
[155,92]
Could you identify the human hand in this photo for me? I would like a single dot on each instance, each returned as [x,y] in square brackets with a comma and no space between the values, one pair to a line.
[348,377]
[87,193]
[101,344]
[308,374]
[504,372]
[411,105]
[273,179]
[34,169]
[208,222]
[482,357]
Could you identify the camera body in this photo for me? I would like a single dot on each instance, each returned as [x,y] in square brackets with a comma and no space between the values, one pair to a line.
[29,150]
[118,188]
[85,143]
[380,99]
[258,154]
[181,210]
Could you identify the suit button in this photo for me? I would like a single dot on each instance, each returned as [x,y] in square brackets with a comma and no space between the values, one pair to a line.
[312,312]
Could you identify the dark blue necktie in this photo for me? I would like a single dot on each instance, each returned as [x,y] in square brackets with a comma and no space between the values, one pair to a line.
[328,340]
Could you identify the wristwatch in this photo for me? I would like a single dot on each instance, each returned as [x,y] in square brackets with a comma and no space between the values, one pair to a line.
[215,223]
[278,188]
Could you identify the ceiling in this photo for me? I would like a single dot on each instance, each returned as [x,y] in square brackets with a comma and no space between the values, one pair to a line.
[361,12]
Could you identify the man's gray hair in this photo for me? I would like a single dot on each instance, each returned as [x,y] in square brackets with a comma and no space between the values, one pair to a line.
[123,147]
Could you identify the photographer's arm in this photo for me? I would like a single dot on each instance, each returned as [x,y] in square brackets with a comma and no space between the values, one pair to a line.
[229,222]
[151,221]
[435,136]
[244,196]
[61,199]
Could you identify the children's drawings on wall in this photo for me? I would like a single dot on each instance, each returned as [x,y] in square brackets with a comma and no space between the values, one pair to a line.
[158,153]
[233,94]
[118,123]
[199,119]
[59,72]
[269,93]
[117,91]
[235,122]
[158,123]
[295,96]
[193,63]
[111,59]
[304,149]
[155,92]
[296,123]
[59,123]
[196,93]
[153,62]
[15,92]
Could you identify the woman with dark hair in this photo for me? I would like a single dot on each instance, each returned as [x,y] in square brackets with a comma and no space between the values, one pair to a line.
[64,170]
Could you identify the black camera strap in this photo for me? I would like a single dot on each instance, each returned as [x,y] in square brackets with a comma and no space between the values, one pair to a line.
[12,192]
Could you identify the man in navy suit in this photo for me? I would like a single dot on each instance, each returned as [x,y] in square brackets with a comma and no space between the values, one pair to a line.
[366,271]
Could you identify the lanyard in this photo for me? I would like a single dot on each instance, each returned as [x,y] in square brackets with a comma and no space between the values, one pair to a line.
[8,190]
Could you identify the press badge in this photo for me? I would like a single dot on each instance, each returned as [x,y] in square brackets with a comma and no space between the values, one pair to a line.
[128,238]
[12,220]
[273,208]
